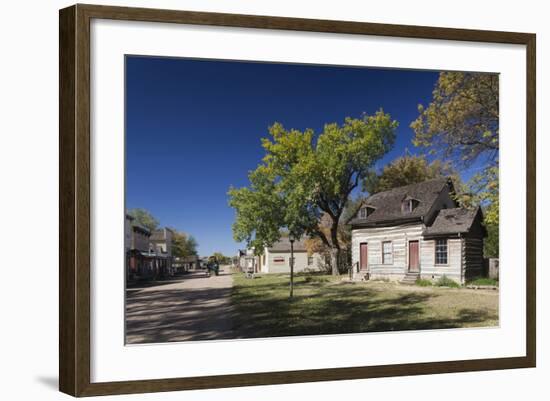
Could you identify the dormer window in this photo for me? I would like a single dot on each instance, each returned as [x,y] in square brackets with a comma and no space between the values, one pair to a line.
[408,204]
[365,211]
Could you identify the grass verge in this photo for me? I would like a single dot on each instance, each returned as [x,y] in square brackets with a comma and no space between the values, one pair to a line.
[423,282]
[325,305]
[445,281]
[483,281]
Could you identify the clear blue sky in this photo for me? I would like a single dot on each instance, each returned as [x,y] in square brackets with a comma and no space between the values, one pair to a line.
[193,128]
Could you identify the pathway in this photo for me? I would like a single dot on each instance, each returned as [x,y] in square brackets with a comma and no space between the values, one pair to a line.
[191,307]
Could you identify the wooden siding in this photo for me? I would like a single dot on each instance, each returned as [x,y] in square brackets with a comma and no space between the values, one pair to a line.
[399,236]
[472,257]
[453,269]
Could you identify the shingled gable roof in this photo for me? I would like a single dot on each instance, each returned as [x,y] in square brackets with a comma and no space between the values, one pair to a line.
[283,245]
[452,221]
[387,205]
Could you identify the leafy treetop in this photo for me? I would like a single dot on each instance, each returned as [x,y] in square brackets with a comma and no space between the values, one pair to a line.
[301,179]
[406,170]
[462,121]
[144,218]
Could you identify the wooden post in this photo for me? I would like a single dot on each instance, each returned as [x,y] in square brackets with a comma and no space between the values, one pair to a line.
[291,267]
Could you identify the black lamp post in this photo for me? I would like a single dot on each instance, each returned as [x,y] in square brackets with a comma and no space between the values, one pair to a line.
[291,238]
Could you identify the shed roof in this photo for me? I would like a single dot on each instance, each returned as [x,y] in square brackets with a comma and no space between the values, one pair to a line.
[452,221]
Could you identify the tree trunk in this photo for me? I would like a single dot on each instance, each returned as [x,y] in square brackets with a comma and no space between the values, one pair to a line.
[335,249]
[334,257]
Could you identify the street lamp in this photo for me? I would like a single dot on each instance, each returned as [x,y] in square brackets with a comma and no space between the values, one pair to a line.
[291,239]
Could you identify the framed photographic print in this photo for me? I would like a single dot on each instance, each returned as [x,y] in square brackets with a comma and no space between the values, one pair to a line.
[250,200]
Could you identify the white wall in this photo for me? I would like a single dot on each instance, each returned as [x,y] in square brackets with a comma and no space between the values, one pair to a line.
[273,265]
[28,162]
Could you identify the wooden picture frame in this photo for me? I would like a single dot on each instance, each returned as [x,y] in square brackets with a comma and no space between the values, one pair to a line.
[74,203]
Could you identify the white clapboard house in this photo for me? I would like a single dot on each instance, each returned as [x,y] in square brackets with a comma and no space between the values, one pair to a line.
[276,259]
[417,231]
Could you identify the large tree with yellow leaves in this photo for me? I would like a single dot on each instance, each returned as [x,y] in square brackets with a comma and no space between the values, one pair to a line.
[461,124]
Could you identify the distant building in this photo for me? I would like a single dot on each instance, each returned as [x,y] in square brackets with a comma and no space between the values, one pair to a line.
[160,243]
[203,262]
[277,258]
[185,263]
[148,255]
[139,261]
[128,235]
[248,261]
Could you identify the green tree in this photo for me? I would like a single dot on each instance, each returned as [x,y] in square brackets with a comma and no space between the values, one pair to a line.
[144,218]
[259,210]
[462,124]
[191,245]
[491,242]
[302,179]
[183,245]
[406,170]
[462,121]
[483,190]
[221,258]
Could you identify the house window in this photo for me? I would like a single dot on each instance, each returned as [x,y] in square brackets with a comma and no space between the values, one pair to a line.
[387,253]
[309,260]
[365,211]
[441,252]
[408,205]
[279,259]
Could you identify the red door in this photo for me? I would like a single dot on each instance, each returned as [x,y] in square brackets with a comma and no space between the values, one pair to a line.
[364,256]
[414,265]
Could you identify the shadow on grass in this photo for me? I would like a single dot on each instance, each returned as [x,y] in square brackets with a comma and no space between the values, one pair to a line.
[264,310]
[261,308]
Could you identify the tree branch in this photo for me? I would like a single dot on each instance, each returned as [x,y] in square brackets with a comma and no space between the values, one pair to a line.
[321,235]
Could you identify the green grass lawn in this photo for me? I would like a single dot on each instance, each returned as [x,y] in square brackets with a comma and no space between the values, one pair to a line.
[484,281]
[326,305]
